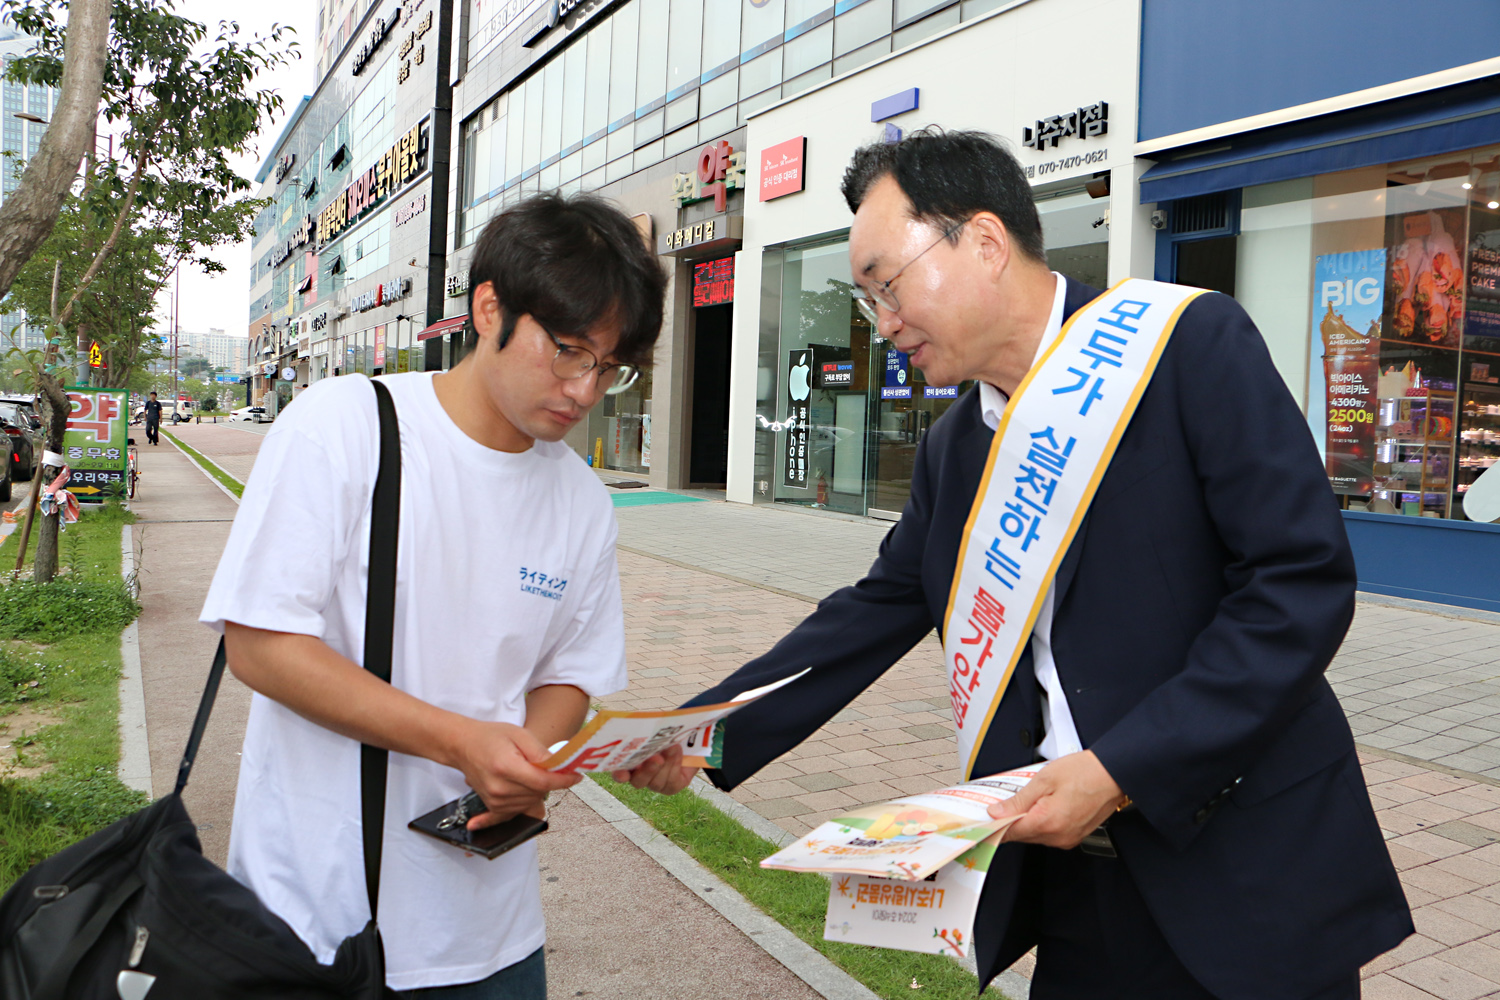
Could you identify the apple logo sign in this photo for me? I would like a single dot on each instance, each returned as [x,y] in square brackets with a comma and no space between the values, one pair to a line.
[1482,501]
[800,388]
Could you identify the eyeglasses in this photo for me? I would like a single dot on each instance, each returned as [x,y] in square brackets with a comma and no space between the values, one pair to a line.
[576,362]
[881,292]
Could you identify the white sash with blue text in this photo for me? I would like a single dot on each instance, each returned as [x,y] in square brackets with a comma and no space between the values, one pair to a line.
[1054,443]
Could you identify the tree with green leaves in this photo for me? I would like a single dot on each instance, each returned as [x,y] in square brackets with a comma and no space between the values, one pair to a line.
[29,213]
[183,103]
[115,310]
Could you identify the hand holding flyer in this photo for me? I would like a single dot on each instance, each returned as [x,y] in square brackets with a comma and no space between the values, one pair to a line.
[622,741]
[908,838]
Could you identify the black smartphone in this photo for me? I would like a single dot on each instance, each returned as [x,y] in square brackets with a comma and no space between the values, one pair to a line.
[491,842]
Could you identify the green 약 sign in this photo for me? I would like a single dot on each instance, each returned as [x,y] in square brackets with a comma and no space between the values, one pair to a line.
[94,445]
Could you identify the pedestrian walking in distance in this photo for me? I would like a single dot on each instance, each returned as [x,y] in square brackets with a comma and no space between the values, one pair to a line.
[153,419]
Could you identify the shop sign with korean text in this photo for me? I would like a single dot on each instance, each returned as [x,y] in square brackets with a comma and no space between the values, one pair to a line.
[897,376]
[396,167]
[94,442]
[798,412]
[782,169]
[722,232]
[721,169]
[713,282]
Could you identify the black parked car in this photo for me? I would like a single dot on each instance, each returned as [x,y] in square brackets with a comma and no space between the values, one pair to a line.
[5,467]
[24,430]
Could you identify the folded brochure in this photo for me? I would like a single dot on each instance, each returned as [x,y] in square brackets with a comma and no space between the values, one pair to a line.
[908,838]
[620,741]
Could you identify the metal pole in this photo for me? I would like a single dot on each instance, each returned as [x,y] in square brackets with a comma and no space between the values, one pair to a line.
[176,336]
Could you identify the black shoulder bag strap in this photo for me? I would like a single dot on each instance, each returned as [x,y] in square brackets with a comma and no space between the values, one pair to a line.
[380,623]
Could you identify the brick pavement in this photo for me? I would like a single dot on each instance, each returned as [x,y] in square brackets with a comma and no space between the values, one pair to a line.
[730,590]
[1415,683]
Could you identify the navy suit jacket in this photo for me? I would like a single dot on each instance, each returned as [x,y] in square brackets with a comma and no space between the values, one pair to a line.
[1197,608]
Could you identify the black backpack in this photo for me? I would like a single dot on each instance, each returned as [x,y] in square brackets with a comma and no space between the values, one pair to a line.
[137,911]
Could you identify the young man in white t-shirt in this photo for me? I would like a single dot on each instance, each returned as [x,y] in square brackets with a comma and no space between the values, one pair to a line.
[489,669]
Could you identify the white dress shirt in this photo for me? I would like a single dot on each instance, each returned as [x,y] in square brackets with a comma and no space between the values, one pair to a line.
[1062,734]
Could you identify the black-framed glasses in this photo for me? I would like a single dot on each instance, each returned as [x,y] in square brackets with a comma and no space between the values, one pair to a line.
[882,294]
[572,362]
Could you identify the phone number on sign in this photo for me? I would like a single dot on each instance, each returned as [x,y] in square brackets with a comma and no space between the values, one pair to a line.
[1067,163]
[893,917]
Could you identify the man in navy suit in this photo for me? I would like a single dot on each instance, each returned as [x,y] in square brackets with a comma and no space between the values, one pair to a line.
[1174,677]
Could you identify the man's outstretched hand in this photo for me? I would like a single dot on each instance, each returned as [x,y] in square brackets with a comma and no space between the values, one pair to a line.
[664,773]
[500,762]
[1064,803]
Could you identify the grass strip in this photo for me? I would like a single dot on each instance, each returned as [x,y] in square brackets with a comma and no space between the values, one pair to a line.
[230,483]
[798,902]
[59,696]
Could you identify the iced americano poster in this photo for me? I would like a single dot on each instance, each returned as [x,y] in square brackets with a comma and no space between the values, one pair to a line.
[1342,404]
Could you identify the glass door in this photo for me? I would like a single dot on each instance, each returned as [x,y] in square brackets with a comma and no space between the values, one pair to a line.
[902,408]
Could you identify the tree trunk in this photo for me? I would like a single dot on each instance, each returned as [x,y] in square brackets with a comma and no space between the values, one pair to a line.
[28,214]
[55,410]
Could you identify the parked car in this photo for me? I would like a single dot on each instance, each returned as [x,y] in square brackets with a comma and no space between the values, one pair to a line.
[5,467]
[250,414]
[24,430]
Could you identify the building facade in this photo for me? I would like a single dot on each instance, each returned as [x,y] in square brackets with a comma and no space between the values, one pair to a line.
[224,351]
[1354,210]
[823,415]
[646,102]
[349,258]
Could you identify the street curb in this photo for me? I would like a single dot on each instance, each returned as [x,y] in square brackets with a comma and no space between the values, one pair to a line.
[775,940]
[1428,607]
[135,752]
[197,465]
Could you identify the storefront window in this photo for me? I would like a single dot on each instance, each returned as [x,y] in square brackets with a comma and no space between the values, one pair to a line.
[620,429]
[857,407]
[824,375]
[1376,291]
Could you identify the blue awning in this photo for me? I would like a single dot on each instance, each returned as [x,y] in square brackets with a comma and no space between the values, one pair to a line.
[1430,124]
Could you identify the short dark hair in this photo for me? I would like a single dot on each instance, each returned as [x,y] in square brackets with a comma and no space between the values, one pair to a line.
[948,177]
[153,392]
[569,262]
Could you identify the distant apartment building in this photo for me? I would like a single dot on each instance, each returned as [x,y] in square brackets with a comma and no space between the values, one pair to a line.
[222,350]
[26,111]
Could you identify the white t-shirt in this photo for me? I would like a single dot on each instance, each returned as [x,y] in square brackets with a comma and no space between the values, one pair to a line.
[1062,735]
[506,582]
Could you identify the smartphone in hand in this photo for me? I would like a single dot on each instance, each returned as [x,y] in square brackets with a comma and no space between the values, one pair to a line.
[449,823]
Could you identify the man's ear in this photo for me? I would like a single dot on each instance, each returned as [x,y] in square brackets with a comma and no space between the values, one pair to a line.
[992,241]
[487,312]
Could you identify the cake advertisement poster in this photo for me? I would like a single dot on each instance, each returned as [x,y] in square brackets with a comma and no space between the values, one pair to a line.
[1343,378]
[1482,324]
[1425,286]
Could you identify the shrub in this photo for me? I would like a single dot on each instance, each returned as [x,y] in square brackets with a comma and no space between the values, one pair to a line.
[47,612]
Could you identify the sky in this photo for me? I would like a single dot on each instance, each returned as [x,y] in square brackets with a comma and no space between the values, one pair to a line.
[223,300]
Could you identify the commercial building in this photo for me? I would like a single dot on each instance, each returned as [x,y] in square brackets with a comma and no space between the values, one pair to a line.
[821,414]
[1352,207]
[647,102]
[349,258]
